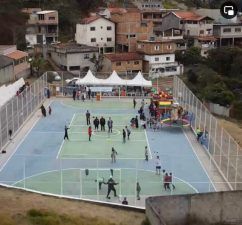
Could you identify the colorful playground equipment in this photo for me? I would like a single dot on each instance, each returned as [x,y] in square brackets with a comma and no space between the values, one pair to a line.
[169,112]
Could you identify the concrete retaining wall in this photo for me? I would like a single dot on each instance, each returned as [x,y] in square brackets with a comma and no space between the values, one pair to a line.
[209,207]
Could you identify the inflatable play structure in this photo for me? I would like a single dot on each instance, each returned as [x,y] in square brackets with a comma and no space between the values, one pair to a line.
[168,112]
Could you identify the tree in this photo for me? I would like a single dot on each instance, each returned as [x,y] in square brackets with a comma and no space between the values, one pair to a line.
[37,63]
[97,61]
[191,56]
[219,94]
[192,76]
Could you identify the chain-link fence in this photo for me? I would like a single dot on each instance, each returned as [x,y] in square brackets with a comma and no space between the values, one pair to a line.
[15,112]
[222,148]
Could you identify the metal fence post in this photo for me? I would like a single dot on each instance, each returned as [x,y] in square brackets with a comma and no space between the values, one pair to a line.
[228,161]
[236,167]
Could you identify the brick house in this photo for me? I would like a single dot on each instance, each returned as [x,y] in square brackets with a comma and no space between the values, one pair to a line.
[159,57]
[125,63]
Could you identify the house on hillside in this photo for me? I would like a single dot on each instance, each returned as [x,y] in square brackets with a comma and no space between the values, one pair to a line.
[228,32]
[42,27]
[73,57]
[148,4]
[159,57]
[20,60]
[6,70]
[124,63]
[129,28]
[98,32]
[196,28]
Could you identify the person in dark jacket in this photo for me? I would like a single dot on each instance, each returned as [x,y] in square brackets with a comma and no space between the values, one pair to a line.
[110,125]
[111,183]
[102,123]
[136,122]
[124,136]
[66,133]
[88,115]
[74,94]
[96,123]
[43,110]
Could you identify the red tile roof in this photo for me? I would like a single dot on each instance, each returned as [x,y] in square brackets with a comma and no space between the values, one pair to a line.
[90,19]
[187,15]
[117,10]
[127,56]
[17,54]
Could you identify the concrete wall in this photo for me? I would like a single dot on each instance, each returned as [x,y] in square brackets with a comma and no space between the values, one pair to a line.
[6,74]
[218,109]
[209,208]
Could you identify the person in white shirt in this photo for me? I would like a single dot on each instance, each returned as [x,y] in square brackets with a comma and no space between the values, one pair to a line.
[157,165]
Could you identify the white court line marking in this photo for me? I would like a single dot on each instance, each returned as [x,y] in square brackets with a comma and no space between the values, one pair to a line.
[148,145]
[103,169]
[107,139]
[199,159]
[59,151]
[23,139]
[98,158]
[63,141]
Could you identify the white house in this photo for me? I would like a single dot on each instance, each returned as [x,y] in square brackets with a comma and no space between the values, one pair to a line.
[163,65]
[98,32]
[73,57]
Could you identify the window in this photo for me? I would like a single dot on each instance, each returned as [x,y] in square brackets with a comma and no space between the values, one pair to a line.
[156,59]
[101,27]
[238,29]
[41,17]
[109,28]
[227,30]
[157,47]
[201,32]
[168,58]
[169,47]
[181,22]
[86,56]
[132,35]
[93,39]
[109,39]
[136,62]
[51,18]
[118,63]
[92,28]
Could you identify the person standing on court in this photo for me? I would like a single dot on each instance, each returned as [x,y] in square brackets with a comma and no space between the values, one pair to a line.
[88,115]
[134,102]
[124,136]
[89,132]
[50,110]
[74,94]
[113,155]
[110,125]
[96,123]
[102,123]
[111,183]
[128,131]
[43,110]
[138,189]
[136,122]
[66,133]
[157,165]
[146,154]
[89,93]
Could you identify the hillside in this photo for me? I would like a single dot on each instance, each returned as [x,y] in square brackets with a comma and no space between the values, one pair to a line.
[23,208]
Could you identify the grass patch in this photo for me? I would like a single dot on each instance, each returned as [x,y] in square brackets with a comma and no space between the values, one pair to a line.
[168,4]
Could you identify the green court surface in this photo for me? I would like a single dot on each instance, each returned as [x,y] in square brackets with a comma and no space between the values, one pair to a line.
[75,183]
[102,142]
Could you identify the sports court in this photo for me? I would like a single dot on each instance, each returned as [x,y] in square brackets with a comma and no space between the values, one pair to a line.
[44,162]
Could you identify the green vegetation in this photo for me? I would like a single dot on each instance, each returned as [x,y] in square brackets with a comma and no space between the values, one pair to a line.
[218,78]
[168,4]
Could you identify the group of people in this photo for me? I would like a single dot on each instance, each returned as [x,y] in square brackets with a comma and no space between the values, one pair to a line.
[77,94]
[43,110]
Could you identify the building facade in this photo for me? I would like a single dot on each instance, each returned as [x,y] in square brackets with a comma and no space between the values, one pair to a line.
[42,27]
[159,58]
[73,57]
[98,32]
[130,28]
[125,63]
[6,70]
[20,60]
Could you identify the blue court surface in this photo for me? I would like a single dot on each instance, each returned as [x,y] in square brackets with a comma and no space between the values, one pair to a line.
[44,162]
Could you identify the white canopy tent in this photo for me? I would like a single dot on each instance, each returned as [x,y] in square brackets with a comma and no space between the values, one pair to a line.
[139,80]
[89,79]
[114,79]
